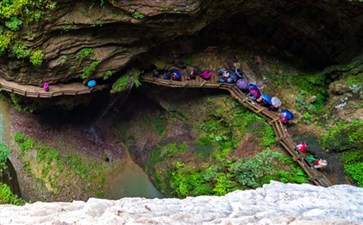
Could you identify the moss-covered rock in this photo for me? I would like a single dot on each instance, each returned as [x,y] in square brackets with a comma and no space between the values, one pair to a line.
[344,136]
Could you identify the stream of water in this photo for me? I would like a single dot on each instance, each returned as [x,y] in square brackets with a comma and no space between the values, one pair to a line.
[130,181]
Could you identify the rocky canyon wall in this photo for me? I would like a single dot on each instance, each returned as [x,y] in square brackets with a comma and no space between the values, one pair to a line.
[94,38]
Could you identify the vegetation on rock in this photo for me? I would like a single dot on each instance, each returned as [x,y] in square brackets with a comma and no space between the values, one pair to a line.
[207,166]
[4,154]
[8,197]
[54,170]
[126,81]
[344,136]
[14,14]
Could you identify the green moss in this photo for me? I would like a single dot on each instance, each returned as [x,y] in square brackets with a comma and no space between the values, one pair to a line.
[85,53]
[263,167]
[160,124]
[228,123]
[355,80]
[344,136]
[187,178]
[88,71]
[7,197]
[180,173]
[353,165]
[107,74]
[56,168]
[4,154]
[138,15]
[125,82]
[14,14]
[13,24]
[20,51]
[188,181]
[5,40]
[18,102]
[355,64]
[121,84]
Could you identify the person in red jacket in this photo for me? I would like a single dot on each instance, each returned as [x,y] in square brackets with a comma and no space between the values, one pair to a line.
[300,148]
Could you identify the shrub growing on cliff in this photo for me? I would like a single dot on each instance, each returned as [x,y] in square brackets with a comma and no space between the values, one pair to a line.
[353,165]
[4,154]
[125,82]
[138,15]
[107,74]
[5,40]
[15,13]
[251,173]
[36,57]
[14,24]
[84,54]
[89,69]
[7,197]
[20,51]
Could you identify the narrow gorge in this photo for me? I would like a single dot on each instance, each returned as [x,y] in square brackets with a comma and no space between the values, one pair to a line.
[92,112]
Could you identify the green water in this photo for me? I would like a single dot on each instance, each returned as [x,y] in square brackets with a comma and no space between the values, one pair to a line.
[129,181]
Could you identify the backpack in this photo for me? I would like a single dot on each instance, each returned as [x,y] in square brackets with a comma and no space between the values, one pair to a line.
[176,75]
[206,75]
[46,86]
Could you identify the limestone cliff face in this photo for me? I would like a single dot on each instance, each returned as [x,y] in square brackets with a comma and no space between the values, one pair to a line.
[275,203]
[118,32]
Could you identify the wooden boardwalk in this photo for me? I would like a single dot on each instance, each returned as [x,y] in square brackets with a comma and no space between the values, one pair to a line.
[282,136]
[54,90]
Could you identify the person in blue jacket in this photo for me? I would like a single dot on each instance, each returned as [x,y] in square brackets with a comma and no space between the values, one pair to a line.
[91,83]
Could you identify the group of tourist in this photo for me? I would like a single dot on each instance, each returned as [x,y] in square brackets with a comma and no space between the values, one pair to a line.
[234,76]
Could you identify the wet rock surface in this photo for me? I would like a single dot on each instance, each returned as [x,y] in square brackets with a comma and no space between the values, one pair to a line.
[275,203]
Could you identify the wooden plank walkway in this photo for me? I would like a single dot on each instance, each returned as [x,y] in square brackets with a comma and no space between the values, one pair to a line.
[281,134]
[54,90]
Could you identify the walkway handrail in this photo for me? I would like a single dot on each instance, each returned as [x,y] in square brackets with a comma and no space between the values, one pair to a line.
[281,134]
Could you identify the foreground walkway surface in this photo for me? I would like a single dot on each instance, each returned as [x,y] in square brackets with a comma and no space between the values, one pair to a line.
[275,203]
[54,90]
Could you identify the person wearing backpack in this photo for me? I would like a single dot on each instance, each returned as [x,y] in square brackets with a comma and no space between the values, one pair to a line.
[206,75]
[46,86]
[224,75]
[235,76]
[176,75]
